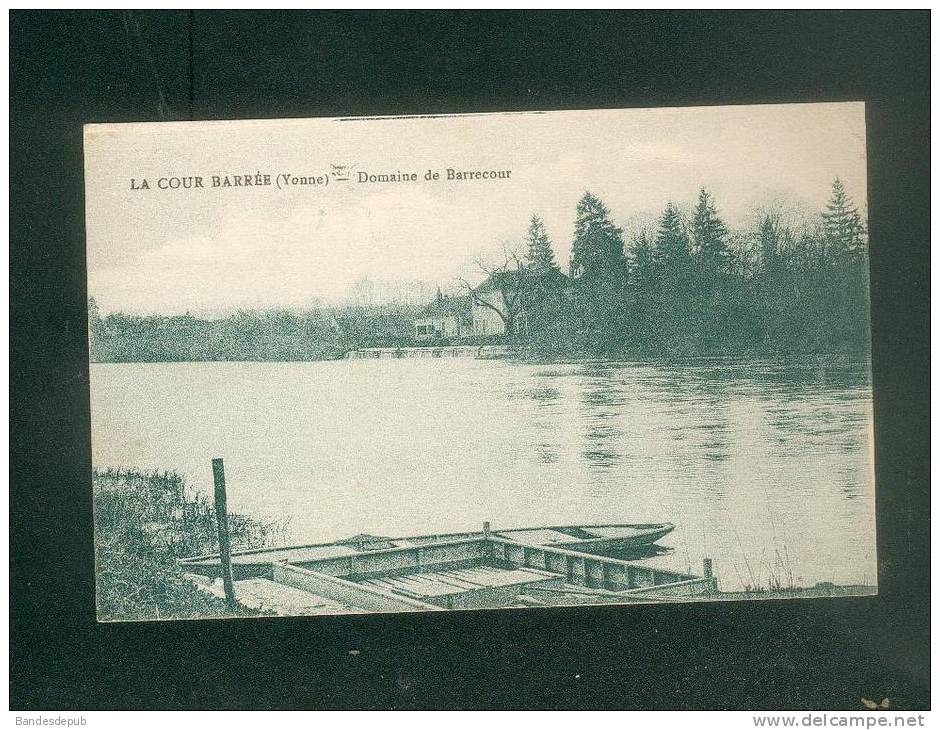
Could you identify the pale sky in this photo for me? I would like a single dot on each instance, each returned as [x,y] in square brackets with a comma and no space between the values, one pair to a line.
[216,250]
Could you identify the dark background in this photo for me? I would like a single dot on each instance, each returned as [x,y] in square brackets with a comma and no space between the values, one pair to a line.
[70,68]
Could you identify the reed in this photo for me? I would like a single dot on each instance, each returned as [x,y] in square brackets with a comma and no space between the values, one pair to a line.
[144,522]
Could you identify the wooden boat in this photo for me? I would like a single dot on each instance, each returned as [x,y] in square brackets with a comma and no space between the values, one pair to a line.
[594,539]
[555,565]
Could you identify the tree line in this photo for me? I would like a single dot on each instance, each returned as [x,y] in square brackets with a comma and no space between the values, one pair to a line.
[273,335]
[690,285]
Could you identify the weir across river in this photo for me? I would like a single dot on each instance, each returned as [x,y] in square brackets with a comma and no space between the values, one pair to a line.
[395,353]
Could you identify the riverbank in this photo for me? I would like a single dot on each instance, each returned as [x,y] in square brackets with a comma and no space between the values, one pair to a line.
[531,354]
[144,522]
[329,334]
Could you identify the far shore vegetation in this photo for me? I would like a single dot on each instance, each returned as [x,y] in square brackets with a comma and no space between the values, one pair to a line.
[790,283]
[144,522]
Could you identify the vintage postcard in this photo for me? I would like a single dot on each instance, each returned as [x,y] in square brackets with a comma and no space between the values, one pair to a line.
[479,361]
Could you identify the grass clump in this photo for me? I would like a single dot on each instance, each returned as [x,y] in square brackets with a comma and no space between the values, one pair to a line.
[144,522]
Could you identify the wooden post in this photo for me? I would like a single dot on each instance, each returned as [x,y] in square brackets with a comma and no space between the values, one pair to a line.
[225,545]
[709,573]
[489,548]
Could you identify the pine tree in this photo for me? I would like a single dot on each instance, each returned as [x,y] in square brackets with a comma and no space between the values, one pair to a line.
[540,258]
[542,290]
[842,224]
[597,251]
[709,236]
[642,263]
[671,252]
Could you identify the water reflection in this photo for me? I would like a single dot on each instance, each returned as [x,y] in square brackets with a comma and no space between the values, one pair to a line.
[641,552]
[603,402]
[541,395]
[547,453]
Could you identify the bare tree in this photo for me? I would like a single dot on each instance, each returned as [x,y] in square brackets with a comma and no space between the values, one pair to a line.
[509,279]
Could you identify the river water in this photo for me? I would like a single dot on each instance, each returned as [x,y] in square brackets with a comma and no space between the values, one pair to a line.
[764,467]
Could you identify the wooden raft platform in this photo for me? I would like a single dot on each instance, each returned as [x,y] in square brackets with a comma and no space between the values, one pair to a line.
[465,570]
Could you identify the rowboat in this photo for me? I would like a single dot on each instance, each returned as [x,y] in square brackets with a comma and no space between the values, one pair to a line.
[594,539]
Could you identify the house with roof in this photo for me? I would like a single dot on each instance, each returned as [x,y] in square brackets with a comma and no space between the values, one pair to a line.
[445,318]
[496,304]
[495,308]
[499,304]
